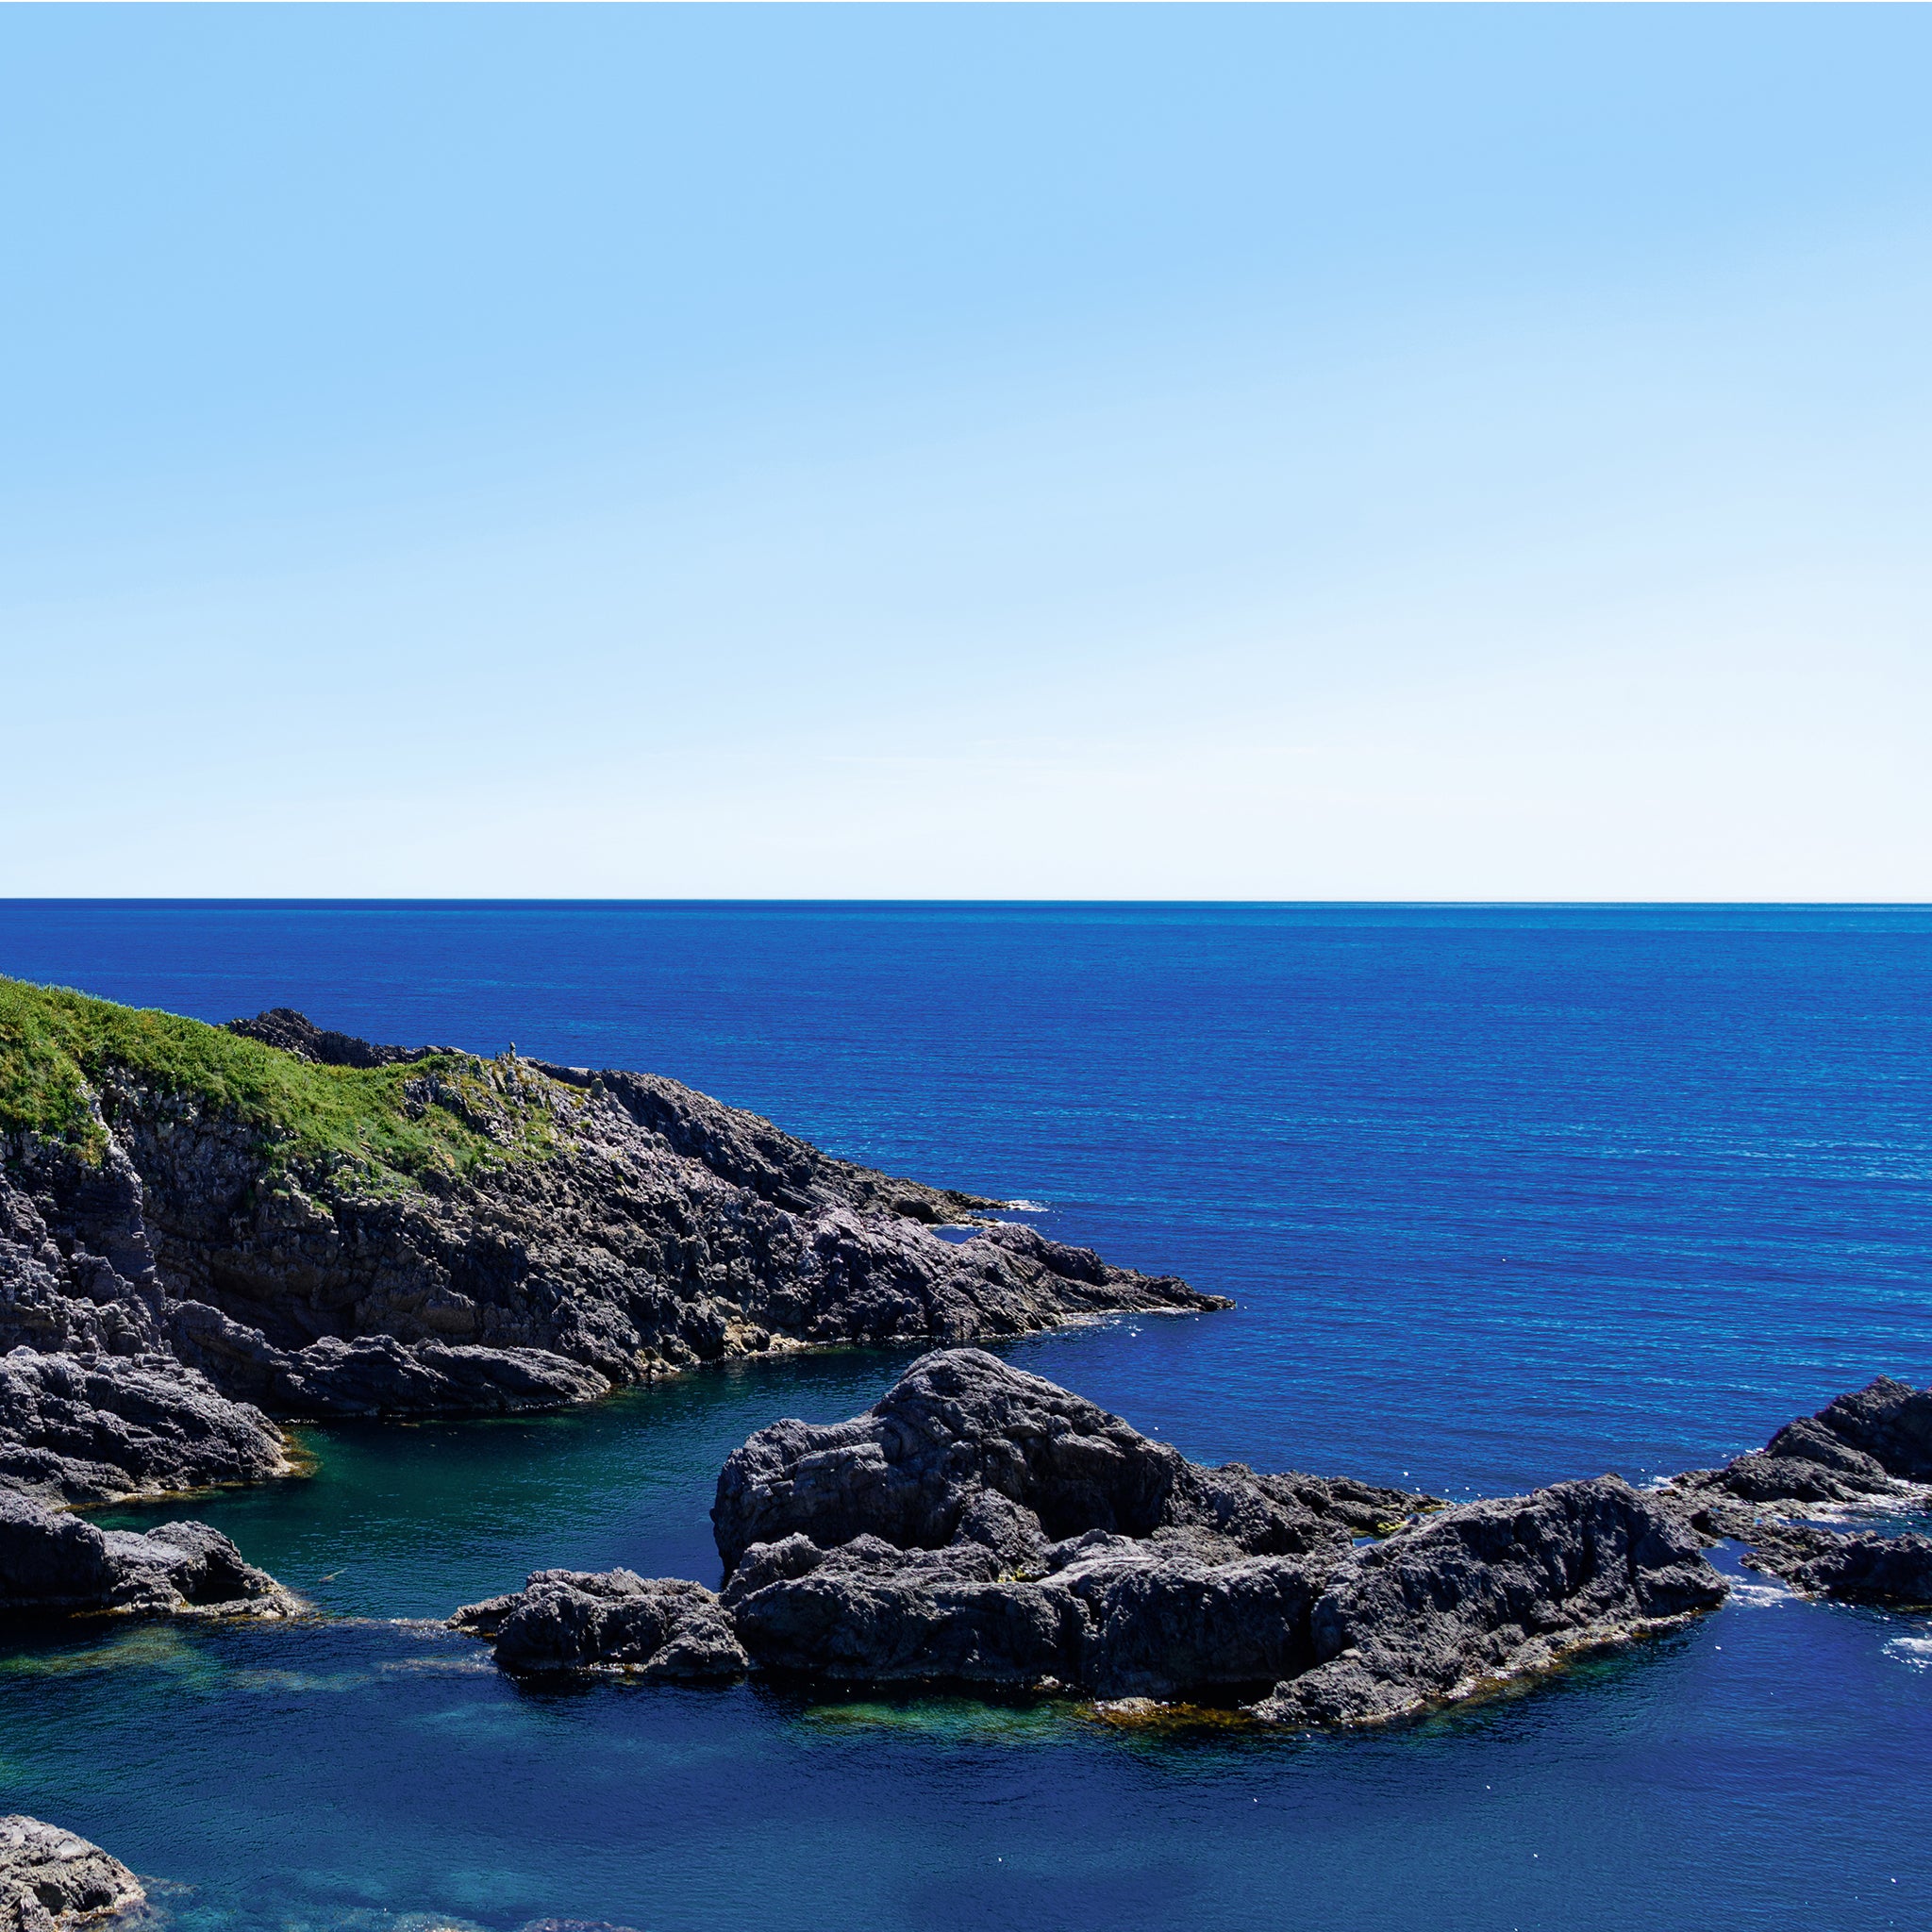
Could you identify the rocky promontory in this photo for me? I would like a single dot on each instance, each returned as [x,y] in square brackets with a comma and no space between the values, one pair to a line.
[271,1220]
[981,1526]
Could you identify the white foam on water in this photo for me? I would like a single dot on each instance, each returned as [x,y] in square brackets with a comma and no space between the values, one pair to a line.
[1760,1595]
[1027,1207]
[1916,1651]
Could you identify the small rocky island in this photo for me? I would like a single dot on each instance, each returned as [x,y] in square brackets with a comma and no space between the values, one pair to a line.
[980,1525]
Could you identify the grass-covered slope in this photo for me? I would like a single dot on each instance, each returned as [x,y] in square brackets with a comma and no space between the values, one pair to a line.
[448,1111]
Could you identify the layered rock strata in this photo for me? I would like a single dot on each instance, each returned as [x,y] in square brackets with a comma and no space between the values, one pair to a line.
[51,1878]
[981,1526]
[55,1563]
[588,1230]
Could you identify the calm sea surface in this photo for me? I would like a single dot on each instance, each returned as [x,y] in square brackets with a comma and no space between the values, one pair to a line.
[1505,1196]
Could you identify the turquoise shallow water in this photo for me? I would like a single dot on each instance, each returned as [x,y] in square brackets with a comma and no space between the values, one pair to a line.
[1505,1196]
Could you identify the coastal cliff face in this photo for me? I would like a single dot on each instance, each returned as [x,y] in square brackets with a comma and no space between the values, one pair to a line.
[319,1226]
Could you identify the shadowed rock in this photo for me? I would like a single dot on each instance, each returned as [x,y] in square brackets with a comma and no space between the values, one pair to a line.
[52,1878]
[89,1429]
[1861,1447]
[981,1526]
[55,1563]
[1871,1568]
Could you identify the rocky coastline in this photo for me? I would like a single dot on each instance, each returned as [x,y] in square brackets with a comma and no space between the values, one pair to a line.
[205,1232]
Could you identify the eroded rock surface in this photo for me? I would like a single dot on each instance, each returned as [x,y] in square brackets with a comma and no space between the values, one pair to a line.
[54,1563]
[963,1431]
[629,1227]
[981,1526]
[1866,1446]
[1867,1452]
[88,1428]
[52,1878]
[1490,1591]
[564,1620]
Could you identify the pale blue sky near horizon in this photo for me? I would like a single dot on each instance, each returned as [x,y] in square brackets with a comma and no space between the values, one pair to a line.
[1196,452]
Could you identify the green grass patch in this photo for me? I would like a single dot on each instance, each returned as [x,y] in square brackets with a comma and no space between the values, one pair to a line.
[450,1112]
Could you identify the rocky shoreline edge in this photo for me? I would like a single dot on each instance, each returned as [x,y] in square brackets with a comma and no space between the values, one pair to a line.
[980,1528]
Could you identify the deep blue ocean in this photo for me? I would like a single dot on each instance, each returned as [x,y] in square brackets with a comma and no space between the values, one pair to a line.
[1505,1194]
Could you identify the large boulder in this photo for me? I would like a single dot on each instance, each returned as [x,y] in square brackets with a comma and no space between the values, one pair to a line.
[962,1430]
[1872,1444]
[51,1878]
[565,1619]
[981,1526]
[51,1562]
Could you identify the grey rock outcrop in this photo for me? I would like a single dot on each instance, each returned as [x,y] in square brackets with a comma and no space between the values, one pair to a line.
[1866,1567]
[51,1878]
[1491,1591]
[89,1428]
[632,1227]
[962,1430]
[565,1619]
[54,1563]
[1872,1443]
[981,1526]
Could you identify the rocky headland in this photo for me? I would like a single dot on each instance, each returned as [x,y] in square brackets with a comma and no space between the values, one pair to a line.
[205,1231]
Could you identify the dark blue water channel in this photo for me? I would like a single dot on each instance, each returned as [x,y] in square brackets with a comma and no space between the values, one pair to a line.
[1505,1194]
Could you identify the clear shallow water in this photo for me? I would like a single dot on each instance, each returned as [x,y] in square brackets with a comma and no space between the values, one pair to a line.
[1505,1194]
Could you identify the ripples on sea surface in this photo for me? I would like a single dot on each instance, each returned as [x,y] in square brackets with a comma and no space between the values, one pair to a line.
[1505,1194]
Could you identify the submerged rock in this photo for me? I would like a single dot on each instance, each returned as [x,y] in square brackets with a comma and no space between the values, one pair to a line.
[564,1620]
[51,1878]
[51,1562]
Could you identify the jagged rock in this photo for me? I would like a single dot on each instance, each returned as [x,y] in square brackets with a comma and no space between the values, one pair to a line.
[1866,1445]
[1489,1591]
[1111,1615]
[89,1429]
[964,1430]
[979,1524]
[52,1562]
[631,1227]
[565,1619]
[51,1878]
[1871,1568]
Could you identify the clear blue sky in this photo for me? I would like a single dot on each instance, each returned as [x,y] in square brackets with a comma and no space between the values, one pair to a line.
[1192,452]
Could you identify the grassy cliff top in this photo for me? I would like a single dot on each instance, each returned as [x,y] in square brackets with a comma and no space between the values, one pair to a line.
[448,1111]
